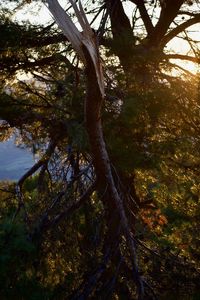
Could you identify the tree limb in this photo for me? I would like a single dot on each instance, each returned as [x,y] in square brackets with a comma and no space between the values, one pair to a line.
[144,15]
[182,57]
[40,163]
[174,32]
[168,13]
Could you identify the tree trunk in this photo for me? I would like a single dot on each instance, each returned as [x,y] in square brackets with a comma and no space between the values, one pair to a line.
[106,184]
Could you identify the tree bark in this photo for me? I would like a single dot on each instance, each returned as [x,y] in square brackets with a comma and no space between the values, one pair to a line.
[106,184]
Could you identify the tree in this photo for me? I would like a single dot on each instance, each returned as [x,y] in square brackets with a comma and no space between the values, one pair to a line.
[120,182]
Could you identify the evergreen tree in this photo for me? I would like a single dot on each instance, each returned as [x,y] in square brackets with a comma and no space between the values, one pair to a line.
[110,209]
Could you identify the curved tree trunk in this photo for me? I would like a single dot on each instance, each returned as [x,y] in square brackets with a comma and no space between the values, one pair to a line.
[93,104]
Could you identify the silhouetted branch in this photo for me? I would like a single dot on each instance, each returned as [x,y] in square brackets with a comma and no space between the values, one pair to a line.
[180,28]
[182,57]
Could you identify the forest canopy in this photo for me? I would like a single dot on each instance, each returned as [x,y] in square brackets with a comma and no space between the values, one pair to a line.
[106,93]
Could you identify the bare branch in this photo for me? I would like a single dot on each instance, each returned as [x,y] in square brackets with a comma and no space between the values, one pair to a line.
[168,13]
[182,57]
[190,74]
[40,163]
[70,208]
[78,39]
[144,15]
[66,24]
[174,32]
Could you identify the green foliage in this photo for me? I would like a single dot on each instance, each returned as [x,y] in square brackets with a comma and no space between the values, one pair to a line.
[17,279]
[31,184]
[78,136]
